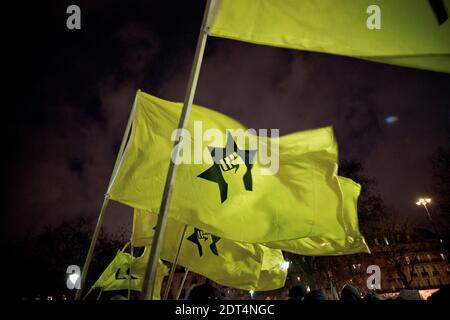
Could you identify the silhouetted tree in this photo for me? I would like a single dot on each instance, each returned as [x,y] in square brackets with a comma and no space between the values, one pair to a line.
[36,265]
[441,187]
[319,272]
[393,234]
[371,207]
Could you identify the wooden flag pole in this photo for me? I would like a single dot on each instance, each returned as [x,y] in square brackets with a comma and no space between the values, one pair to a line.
[186,271]
[150,276]
[101,215]
[174,264]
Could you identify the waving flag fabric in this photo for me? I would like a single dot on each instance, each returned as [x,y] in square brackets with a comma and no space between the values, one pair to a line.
[244,266]
[127,272]
[411,33]
[226,185]
[349,240]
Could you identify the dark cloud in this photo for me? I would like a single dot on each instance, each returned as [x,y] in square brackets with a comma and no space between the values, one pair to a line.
[63,146]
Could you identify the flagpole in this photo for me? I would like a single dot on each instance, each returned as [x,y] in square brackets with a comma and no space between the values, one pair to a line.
[105,203]
[174,264]
[150,276]
[186,271]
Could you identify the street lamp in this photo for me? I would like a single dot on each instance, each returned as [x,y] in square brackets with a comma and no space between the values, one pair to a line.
[424,202]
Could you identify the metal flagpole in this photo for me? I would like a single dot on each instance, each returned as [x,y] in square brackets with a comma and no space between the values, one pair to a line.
[174,264]
[101,215]
[186,271]
[150,276]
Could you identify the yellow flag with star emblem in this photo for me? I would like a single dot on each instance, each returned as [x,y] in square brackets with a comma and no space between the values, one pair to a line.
[411,33]
[231,182]
[233,264]
[126,272]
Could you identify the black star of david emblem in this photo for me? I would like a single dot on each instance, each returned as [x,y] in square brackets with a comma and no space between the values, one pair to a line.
[439,10]
[123,272]
[200,235]
[223,161]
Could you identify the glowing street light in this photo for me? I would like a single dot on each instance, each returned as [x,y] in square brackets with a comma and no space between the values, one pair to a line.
[424,202]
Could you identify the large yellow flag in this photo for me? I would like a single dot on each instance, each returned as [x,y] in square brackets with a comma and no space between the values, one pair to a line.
[231,182]
[412,33]
[127,272]
[238,265]
[347,240]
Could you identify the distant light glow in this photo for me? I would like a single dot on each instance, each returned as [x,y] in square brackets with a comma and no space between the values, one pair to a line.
[285,265]
[252,292]
[423,201]
[391,119]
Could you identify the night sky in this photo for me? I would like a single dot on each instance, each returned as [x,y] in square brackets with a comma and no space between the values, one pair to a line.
[64,132]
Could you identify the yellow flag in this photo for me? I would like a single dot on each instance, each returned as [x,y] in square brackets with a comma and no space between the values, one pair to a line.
[127,272]
[411,33]
[238,265]
[231,182]
[352,242]
[271,273]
